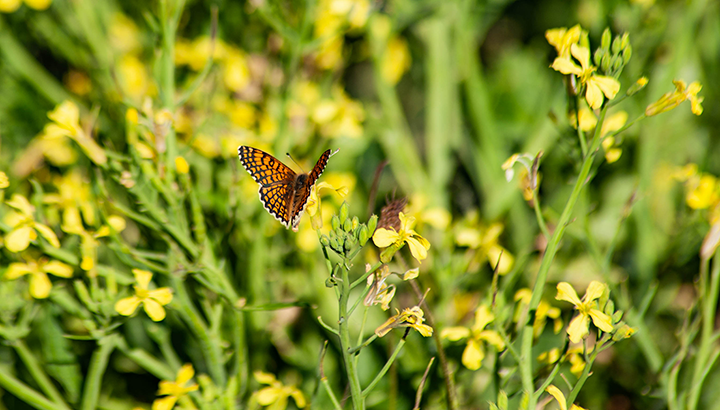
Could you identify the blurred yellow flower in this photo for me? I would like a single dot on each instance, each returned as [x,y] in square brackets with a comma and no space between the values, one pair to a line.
[236,73]
[4,181]
[242,114]
[152,300]
[702,192]
[24,227]
[206,145]
[132,76]
[73,194]
[671,100]
[313,204]
[558,395]
[596,85]
[474,352]
[40,284]
[384,238]
[396,60]
[562,38]
[543,312]
[587,309]
[123,34]
[410,317]
[486,241]
[78,82]
[88,239]
[181,165]
[175,390]
[612,124]
[276,394]
[66,122]
[9,6]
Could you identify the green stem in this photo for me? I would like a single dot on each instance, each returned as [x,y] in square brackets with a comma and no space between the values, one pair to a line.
[585,374]
[25,393]
[708,305]
[385,368]
[331,394]
[42,379]
[98,364]
[343,328]
[550,251]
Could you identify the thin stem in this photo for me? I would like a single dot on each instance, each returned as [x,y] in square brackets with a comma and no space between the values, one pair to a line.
[331,394]
[550,251]
[38,373]
[98,364]
[25,393]
[385,368]
[364,344]
[343,328]
[586,372]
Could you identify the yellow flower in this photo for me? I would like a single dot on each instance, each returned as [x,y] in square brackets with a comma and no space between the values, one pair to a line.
[558,395]
[236,73]
[175,390]
[543,312]
[486,241]
[4,181]
[9,6]
[380,292]
[123,34]
[396,60]
[702,192]
[587,309]
[474,352]
[72,223]
[40,284]
[78,82]
[133,76]
[181,165]
[152,300]
[410,317]
[562,38]
[596,85]
[672,99]
[313,206]
[612,124]
[73,195]
[66,122]
[276,394]
[25,229]
[384,238]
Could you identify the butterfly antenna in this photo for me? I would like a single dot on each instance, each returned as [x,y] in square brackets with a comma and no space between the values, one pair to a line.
[293,160]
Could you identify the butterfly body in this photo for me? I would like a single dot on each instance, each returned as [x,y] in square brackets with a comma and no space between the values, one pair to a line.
[283,192]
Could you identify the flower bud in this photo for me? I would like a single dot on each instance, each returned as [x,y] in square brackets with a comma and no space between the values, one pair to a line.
[616,46]
[324,241]
[335,222]
[363,235]
[625,41]
[343,214]
[627,53]
[639,85]
[355,222]
[597,57]
[605,39]
[372,224]
[347,225]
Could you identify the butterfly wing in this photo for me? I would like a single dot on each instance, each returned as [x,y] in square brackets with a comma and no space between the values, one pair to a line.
[263,167]
[275,179]
[303,194]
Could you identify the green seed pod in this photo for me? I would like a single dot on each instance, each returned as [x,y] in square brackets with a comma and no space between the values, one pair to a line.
[363,235]
[324,241]
[625,41]
[597,57]
[343,214]
[605,39]
[627,54]
[335,222]
[605,63]
[372,224]
[616,46]
[347,225]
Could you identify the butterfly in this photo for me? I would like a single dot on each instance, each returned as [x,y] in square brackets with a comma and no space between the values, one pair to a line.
[282,192]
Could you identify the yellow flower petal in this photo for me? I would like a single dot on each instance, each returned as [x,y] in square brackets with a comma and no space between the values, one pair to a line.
[473,355]
[15,270]
[48,234]
[601,320]
[493,338]
[40,285]
[67,115]
[19,239]
[566,66]
[593,95]
[264,377]
[578,328]
[299,398]
[163,295]
[142,277]
[608,85]
[58,268]
[417,249]
[385,237]
[567,293]
[127,306]
[269,395]
[483,316]
[594,290]
[9,6]
[185,374]
[154,310]
[455,333]
[166,403]
[559,396]
[21,203]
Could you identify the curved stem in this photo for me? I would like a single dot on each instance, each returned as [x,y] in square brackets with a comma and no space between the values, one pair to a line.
[98,364]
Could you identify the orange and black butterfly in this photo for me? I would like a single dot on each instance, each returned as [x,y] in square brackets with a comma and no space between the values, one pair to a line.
[282,192]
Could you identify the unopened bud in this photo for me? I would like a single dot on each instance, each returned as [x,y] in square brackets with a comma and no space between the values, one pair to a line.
[343,214]
[347,225]
[335,222]
[324,241]
[372,224]
[355,222]
[363,235]
[605,39]
[616,46]
[627,54]
[639,85]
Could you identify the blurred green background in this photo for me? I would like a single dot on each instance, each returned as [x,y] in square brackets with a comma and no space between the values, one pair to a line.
[445,91]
